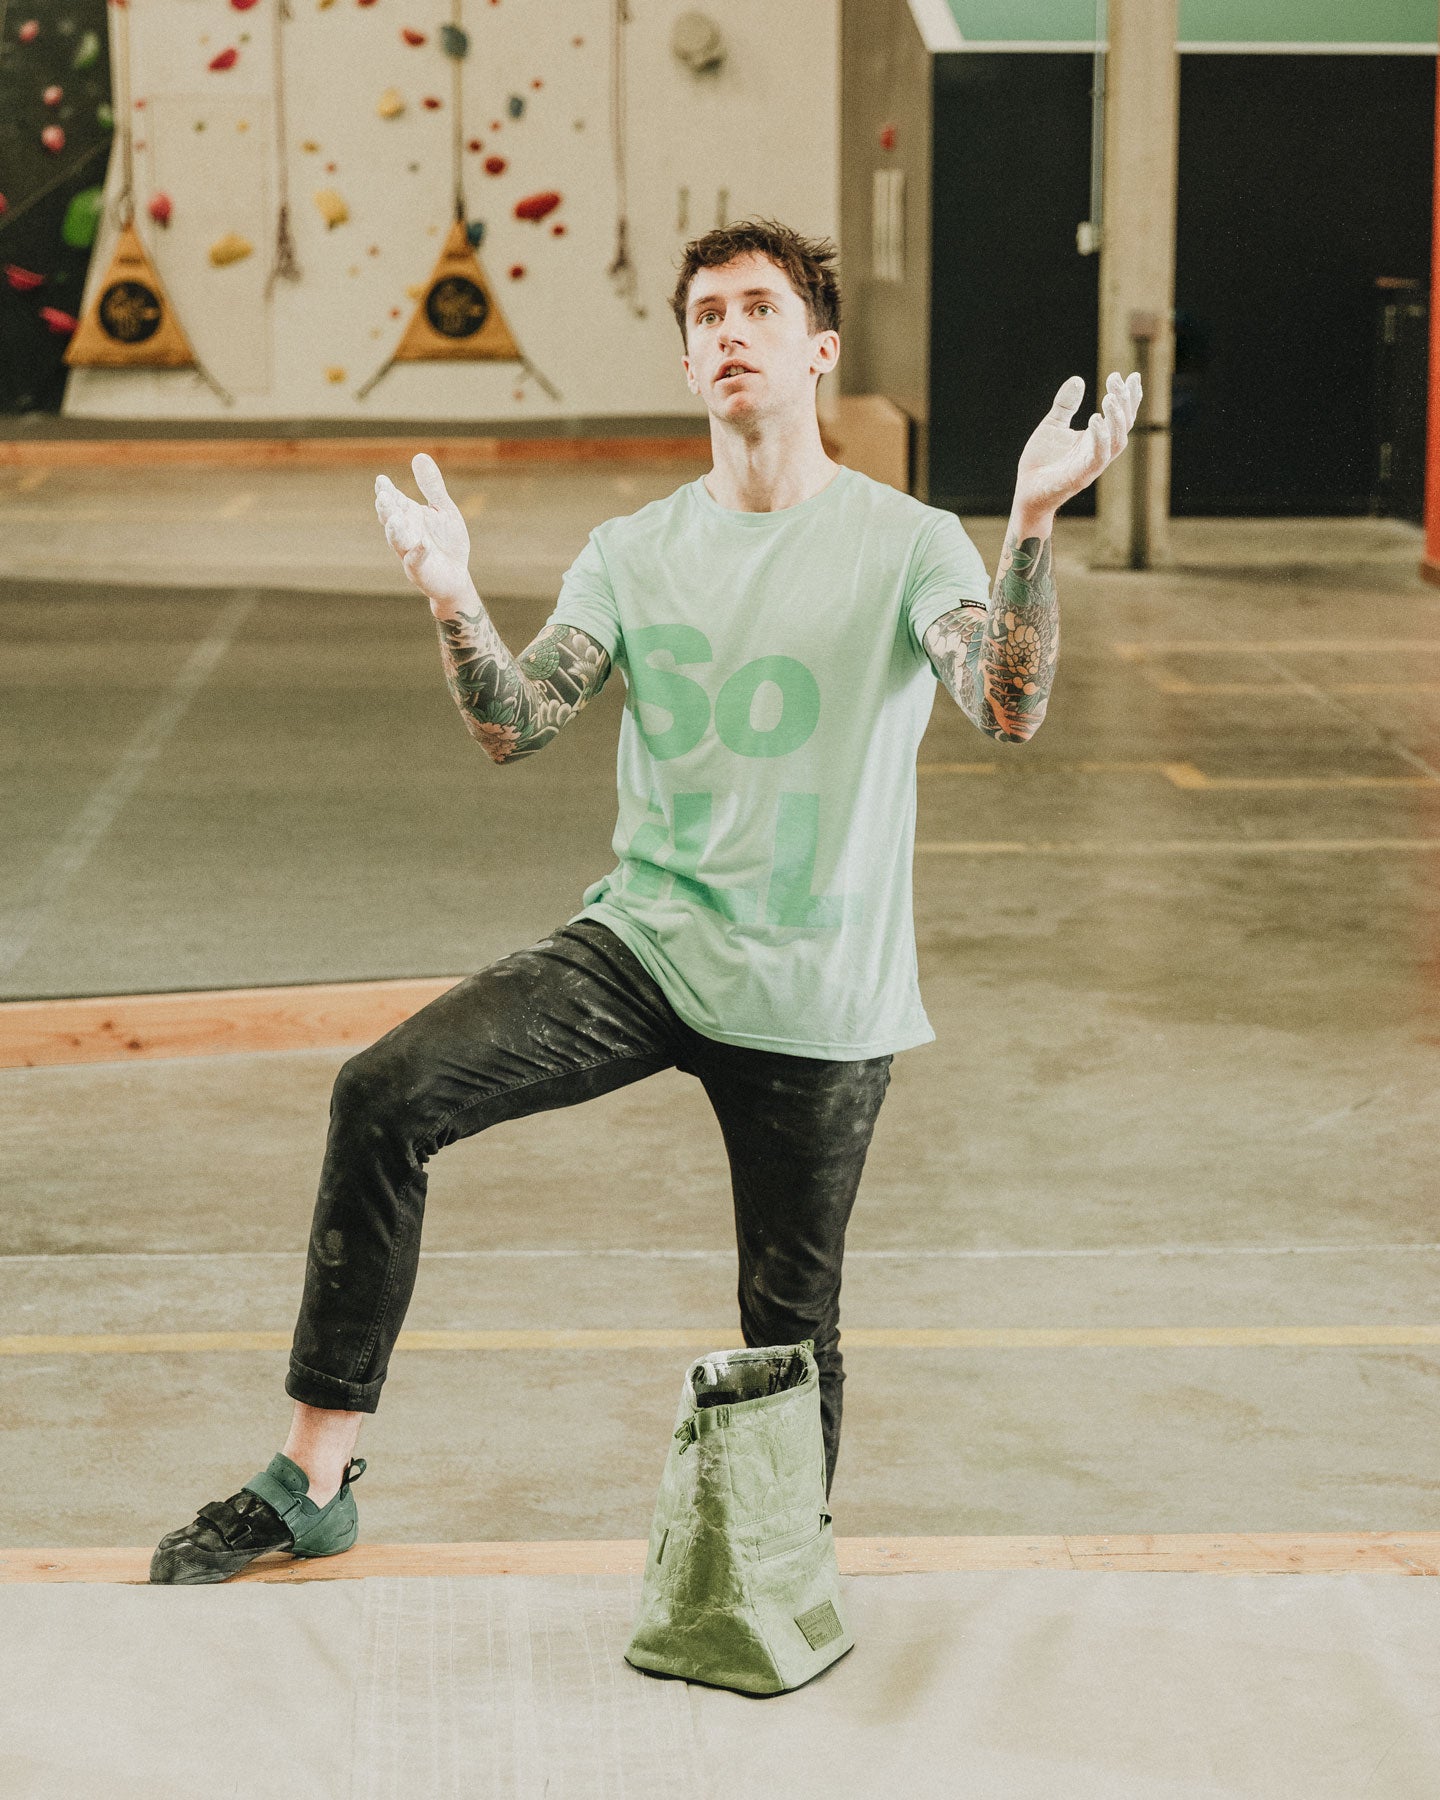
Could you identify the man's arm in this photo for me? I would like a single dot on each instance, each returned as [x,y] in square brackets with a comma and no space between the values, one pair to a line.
[999,662]
[513,706]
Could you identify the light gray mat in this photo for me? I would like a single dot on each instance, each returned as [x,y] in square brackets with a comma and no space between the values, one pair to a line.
[998,1685]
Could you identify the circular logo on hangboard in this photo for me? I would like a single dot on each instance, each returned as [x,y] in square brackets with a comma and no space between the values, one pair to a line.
[456,306]
[130,312]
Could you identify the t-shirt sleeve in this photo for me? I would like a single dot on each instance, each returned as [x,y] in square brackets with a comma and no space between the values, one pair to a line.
[588,600]
[945,570]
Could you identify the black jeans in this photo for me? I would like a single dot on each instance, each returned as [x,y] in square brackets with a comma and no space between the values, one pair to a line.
[570,1017]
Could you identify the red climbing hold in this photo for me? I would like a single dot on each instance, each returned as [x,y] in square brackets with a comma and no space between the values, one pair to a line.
[431,104]
[557,231]
[53,96]
[536,82]
[22,280]
[61,323]
[4,205]
[29,31]
[53,138]
[411,36]
[516,271]
[887,137]
[160,208]
[536,206]
[494,165]
[227,59]
[242,5]
[475,144]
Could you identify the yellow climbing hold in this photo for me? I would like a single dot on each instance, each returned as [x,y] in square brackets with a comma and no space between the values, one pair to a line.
[333,209]
[335,373]
[418,292]
[230,248]
[310,145]
[391,104]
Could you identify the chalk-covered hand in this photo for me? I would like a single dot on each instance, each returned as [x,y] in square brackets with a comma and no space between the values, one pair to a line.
[431,541]
[1057,463]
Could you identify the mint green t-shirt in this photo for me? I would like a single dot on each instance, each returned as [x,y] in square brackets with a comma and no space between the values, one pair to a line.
[778,690]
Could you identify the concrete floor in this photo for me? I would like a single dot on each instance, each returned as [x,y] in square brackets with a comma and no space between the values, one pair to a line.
[1185,1073]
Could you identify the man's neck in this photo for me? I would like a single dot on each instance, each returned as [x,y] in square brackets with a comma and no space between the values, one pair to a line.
[767,475]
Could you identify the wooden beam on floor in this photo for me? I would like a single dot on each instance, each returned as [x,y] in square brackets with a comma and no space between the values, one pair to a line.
[1200,1553]
[214,1022]
[344,452]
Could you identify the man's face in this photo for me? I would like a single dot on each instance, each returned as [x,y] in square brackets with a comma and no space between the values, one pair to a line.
[746,311]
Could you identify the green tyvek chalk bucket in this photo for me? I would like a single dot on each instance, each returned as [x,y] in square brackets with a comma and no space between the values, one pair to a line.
[741,1586]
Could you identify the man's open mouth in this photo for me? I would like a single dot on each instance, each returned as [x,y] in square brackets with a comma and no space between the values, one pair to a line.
[735,374]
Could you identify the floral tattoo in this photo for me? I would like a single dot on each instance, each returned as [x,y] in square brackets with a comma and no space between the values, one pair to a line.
[999,661]
[513,705]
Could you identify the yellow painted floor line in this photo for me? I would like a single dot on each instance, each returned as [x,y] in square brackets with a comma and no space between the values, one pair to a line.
[1184,775]
[1209,1553]
[700,1337]
[1166,846]
[1138,650]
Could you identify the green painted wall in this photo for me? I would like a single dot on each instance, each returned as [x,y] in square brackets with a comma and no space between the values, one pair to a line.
[1213,21]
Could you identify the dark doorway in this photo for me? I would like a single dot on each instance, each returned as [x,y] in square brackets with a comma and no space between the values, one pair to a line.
[1014,307]
[1302,180]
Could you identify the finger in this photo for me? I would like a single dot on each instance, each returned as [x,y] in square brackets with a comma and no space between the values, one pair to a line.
[1136,394]
[1068,396]
[1115,418]
[401,536]
[432,483]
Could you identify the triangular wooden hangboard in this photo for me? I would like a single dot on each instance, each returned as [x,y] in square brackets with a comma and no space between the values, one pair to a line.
[131,323]
[458,317]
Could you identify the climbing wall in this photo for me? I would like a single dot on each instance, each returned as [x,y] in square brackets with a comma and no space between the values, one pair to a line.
[55,135]
[592,140]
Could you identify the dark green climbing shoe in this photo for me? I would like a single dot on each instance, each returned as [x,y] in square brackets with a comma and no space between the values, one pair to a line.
[271,1512]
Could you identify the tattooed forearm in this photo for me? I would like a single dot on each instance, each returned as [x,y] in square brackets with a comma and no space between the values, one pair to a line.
[999,663]
[515,705]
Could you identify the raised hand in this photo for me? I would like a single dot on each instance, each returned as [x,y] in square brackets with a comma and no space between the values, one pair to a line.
[431,541]
[1057,463]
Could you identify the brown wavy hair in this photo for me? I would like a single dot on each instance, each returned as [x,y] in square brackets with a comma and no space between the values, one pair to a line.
[805,262]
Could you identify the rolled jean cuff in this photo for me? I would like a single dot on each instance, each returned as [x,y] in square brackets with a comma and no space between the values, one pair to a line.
[313,1388]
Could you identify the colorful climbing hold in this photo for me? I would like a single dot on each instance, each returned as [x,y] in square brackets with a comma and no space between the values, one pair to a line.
[61,323]
[242,5]
[475,231]
[4,205]
[515,106]
[29,31]
[160,208]
[87,51]
[536,206]
[431,103]
[332,207]
[230,249]
[335,373]
[454,41]
[309,145]
[475,144]
[82,218]
[494,165]
[227,59]
[411,36]
[105,116]
[391,104]
[52,96]
[557,230]
[516,271]
[53,138]
[22,280]
[536,82]
[887,137]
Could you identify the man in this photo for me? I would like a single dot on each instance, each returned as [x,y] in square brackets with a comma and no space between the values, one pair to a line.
[780,623]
